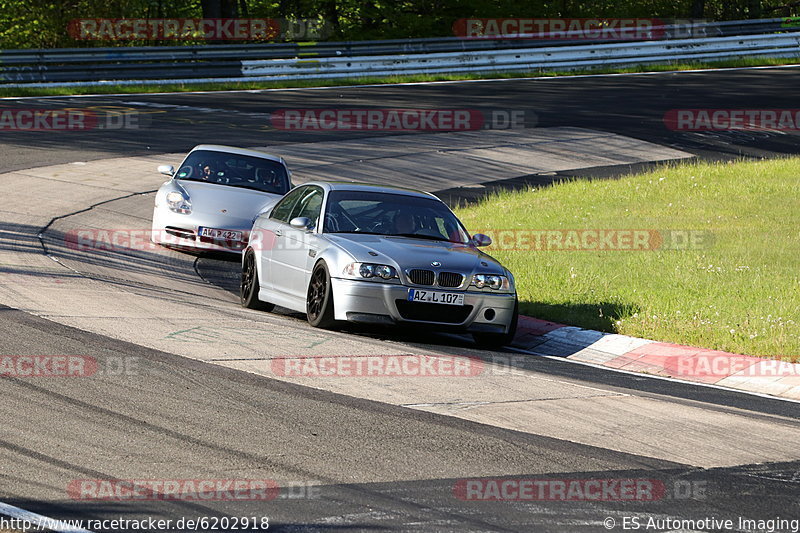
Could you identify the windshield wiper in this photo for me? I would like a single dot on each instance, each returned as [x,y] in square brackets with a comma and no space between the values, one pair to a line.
[252,188]
[419,236]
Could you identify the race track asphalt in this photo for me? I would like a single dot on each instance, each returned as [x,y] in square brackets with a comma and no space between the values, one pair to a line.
[358,464]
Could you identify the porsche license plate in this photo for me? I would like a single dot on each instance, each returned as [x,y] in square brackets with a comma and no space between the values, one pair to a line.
[220,234]
[435,297]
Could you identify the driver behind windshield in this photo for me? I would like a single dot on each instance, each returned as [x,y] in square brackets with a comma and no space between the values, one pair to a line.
[404,223]
[208,173]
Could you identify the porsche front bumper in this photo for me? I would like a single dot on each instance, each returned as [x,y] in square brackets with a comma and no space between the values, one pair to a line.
[181,231]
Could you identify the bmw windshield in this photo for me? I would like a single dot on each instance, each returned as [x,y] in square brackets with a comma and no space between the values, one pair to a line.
[389,214]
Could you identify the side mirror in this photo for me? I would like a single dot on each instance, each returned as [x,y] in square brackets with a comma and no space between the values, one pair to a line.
[167,170]
[300,223]
[481,240]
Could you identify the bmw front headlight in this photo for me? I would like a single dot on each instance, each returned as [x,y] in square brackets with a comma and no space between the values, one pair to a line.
[491,281]
[370,270]
[179,203]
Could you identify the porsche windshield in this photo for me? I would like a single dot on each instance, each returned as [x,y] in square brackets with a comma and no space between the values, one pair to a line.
[382,213]
[235,170]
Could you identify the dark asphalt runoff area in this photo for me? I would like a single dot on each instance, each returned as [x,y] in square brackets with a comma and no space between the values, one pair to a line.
[343,463]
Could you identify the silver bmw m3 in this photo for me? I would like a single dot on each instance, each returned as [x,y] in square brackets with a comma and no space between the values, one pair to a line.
[211,201]
[376,255]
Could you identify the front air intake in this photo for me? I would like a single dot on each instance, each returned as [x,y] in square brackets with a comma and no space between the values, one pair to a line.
[421,277]
[450,279]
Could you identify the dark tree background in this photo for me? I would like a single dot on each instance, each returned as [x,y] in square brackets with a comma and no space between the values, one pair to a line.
[43,23]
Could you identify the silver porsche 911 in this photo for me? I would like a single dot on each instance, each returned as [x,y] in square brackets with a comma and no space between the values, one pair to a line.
[376,255]
[211,201]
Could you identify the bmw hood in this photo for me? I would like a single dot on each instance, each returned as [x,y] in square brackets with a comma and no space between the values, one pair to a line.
[405,253]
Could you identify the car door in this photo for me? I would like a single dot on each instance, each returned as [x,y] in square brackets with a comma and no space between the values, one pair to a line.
[270,233]
[298,246]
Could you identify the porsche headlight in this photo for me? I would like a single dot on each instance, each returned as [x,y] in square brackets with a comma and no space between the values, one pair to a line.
[178,203]
[491,281]
[370,270]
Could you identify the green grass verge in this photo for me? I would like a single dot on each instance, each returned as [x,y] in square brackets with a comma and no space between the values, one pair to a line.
[739,294]
[177,88]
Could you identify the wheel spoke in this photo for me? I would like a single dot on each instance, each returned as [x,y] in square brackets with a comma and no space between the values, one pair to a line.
[316,294]
[247,277]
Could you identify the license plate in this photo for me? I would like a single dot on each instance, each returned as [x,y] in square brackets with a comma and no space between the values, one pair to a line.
[220,234]
[434,297]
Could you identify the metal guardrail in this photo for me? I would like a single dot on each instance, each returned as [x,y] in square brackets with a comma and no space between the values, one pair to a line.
[269,62]
[570,57]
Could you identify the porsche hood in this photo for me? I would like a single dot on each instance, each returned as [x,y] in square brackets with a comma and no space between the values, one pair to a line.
[235,205]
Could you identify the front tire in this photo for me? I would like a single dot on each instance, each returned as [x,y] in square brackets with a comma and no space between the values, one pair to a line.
[319,298]
[250,285]
[498,340]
